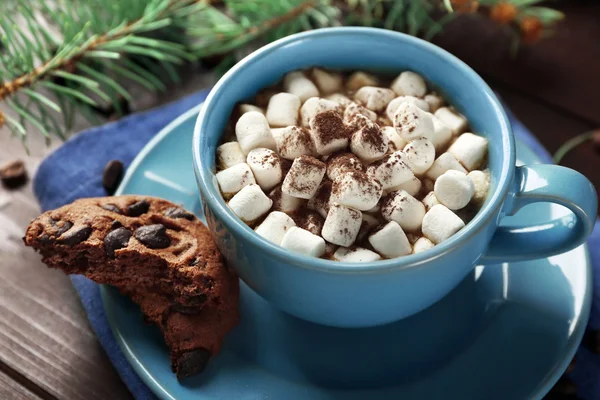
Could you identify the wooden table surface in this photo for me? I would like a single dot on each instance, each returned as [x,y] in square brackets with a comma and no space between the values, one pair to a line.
[47,348]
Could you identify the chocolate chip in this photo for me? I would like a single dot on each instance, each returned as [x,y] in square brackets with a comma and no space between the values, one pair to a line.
[191,363]
[115,224]
[115,240]
[46,239]
[138,208]
[60,227]
[178,212]
[13,175]
[112,175]
[153,236]
[75,236]
[112,208]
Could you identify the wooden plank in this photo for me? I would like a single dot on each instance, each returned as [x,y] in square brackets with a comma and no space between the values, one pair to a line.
[12,390]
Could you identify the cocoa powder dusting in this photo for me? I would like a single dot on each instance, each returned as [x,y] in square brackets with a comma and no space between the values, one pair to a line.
[329,126]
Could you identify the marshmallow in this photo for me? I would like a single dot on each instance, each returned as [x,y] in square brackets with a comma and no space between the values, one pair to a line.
[284,202]
[360,79]
[455,121]
[355,189]
[411,122]
[343,162]
[244,108]
[481,182]
[442,164]
[341,225]
[354,112]
[302,241]
[339,98]
[441,135]
[320,201]
[375,210]
[328,132]
[304,177]
[430,200]
[283,110]
[296,83]
[275,226]
[395,141]
[327,82]
[369,223]
[374,98]
[369,143]
[433,101]
[391,171]
[420,155]
[409,83]
[310,221]
[392,107]
[252,131]
[250,203]
[390,241]
[454,189]
[266,167]
[355,255]
[440,223]
[470,150]
[314,106]
[229,154]
[401,207]
[233,179]
[422,244]
[412,187]
[292,142]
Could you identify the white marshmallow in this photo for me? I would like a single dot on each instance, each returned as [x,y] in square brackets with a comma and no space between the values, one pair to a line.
[441,135]
[360,79]
[454,189]
[343,162]
[252,131]
[470,150]
[411,122]
[395,141]
[283,110]
[353,113]
[339,98]
[401,207]
[433,101]
[430,200]
[409,83]
[374,98]
[455,121]
[266,167]
[391,171]
[320,201]
[327,82]
[392,107]
[275,226]
[229,154]
[481,181]
[314,106]
[292,142]
[440,223]
[341,225]
[355,255]
[311,221]
[369,223]
[412,187]
[422,244]
[284,202]
[250,203]
[369,143]
[302,241]
[328,132]
[420,155]
[375,210]
[233,179]
[244,108]
[296,83]
[390,241]
[442,164]
[304,177]
[355,189]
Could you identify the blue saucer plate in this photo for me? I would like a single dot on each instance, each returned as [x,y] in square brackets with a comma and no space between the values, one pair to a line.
[506,332]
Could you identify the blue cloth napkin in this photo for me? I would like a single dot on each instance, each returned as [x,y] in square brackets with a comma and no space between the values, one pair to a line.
[75,170]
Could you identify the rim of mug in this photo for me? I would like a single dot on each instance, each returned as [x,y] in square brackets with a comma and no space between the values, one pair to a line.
[212,196]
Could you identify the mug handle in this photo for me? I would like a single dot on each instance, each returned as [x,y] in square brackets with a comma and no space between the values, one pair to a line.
[547,184]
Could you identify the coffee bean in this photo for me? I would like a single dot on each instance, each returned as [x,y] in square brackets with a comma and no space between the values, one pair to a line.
[13,175]
[115,240]
[138,208]
[178,212]
[153,236]
[113,173]
[75,236]
[191,363]
[112,208]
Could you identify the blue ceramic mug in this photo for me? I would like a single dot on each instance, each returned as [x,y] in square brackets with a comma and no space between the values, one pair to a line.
[374,293]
